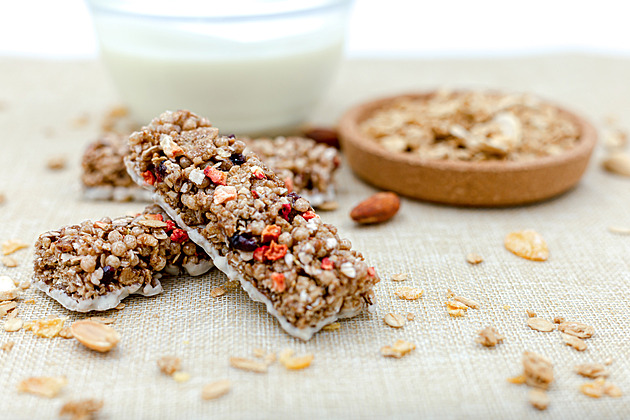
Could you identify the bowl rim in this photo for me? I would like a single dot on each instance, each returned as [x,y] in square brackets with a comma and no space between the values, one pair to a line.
[349,131]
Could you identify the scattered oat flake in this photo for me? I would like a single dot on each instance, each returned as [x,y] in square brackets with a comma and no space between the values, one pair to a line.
[25,285]
[94,335]
[332,327]
[399,277]
[248,364]
[612,390]
[12,245]
[30,301]
[291,362]
[46,328]
[619,230]
[527,244]
[8,289]
[593,389]
[56,163]
[530,314]
[169,364]
[576,343]
[455,309]
[489,337]
[270,358]
[6,307]
[449,294]
[81,409]
[608,361]
[394,320]
[13,324]
[538,398]
[409,293]
[468,302]
[216,389]
[217,291]
[399,349]
[9,262]
[120,306]
[181,377]
[3,198]
[558,320]
[43,386]
[540,324]
[258,352]
[506,307]
[410,316]
[517,380]
[474,258]
[7,346]
[538,370]
[577,329]
[592,370]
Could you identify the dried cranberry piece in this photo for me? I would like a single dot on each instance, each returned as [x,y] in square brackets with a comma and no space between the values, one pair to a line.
[179,235]
[160,171]
[237,159]
[243,242]
[285,211]
[108,274]
[231,136]
[293,196]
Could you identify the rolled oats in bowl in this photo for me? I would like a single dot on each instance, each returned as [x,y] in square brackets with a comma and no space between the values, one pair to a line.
[472,126]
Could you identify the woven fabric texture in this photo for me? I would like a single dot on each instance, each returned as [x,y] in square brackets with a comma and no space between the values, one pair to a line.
[448,375]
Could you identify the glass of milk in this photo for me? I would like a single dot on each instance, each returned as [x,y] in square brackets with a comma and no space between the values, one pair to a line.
[249,66]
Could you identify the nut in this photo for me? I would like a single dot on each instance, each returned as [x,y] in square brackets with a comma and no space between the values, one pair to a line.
[618,163]
[95,336]
[376,209]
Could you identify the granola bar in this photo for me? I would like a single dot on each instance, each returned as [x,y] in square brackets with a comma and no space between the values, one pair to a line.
[252,227]
[95,265]
[306,167]
[104,176]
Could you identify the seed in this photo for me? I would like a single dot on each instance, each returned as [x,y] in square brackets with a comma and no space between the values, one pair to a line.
[248,364]
[517,380]
[540,324]
[617,163]
[474,258]
[394,320]
[152,223]
[538,398]
[527,244]
[95,336]
[217,291]
[181,377]
[409,293]
[216,389]
[44,386]
[468,302]
[577,329]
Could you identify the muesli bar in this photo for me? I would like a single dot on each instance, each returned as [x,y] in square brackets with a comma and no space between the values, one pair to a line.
[104,176]
[95,265]
[255,230]
[305,166]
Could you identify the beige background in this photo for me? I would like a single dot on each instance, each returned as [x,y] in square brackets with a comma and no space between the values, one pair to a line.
[448,376]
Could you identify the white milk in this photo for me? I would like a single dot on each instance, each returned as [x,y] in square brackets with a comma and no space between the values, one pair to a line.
[247,77]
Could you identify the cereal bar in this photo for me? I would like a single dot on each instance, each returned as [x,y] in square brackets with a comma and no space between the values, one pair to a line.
[95,265]
[254,229]
[103,171]
[306,167]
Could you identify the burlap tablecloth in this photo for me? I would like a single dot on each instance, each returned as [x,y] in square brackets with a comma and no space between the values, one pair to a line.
[447,376]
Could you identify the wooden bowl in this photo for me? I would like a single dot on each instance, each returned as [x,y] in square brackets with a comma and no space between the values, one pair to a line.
[489,183]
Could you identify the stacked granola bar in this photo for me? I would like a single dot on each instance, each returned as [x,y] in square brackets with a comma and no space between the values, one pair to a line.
[255,230]
[94,265]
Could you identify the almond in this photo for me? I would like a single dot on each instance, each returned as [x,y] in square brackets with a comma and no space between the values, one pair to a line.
[377,209]
[618,163]
[94,335]
[327,136]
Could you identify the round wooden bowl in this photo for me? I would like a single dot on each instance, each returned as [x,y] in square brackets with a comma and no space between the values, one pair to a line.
[489,184]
